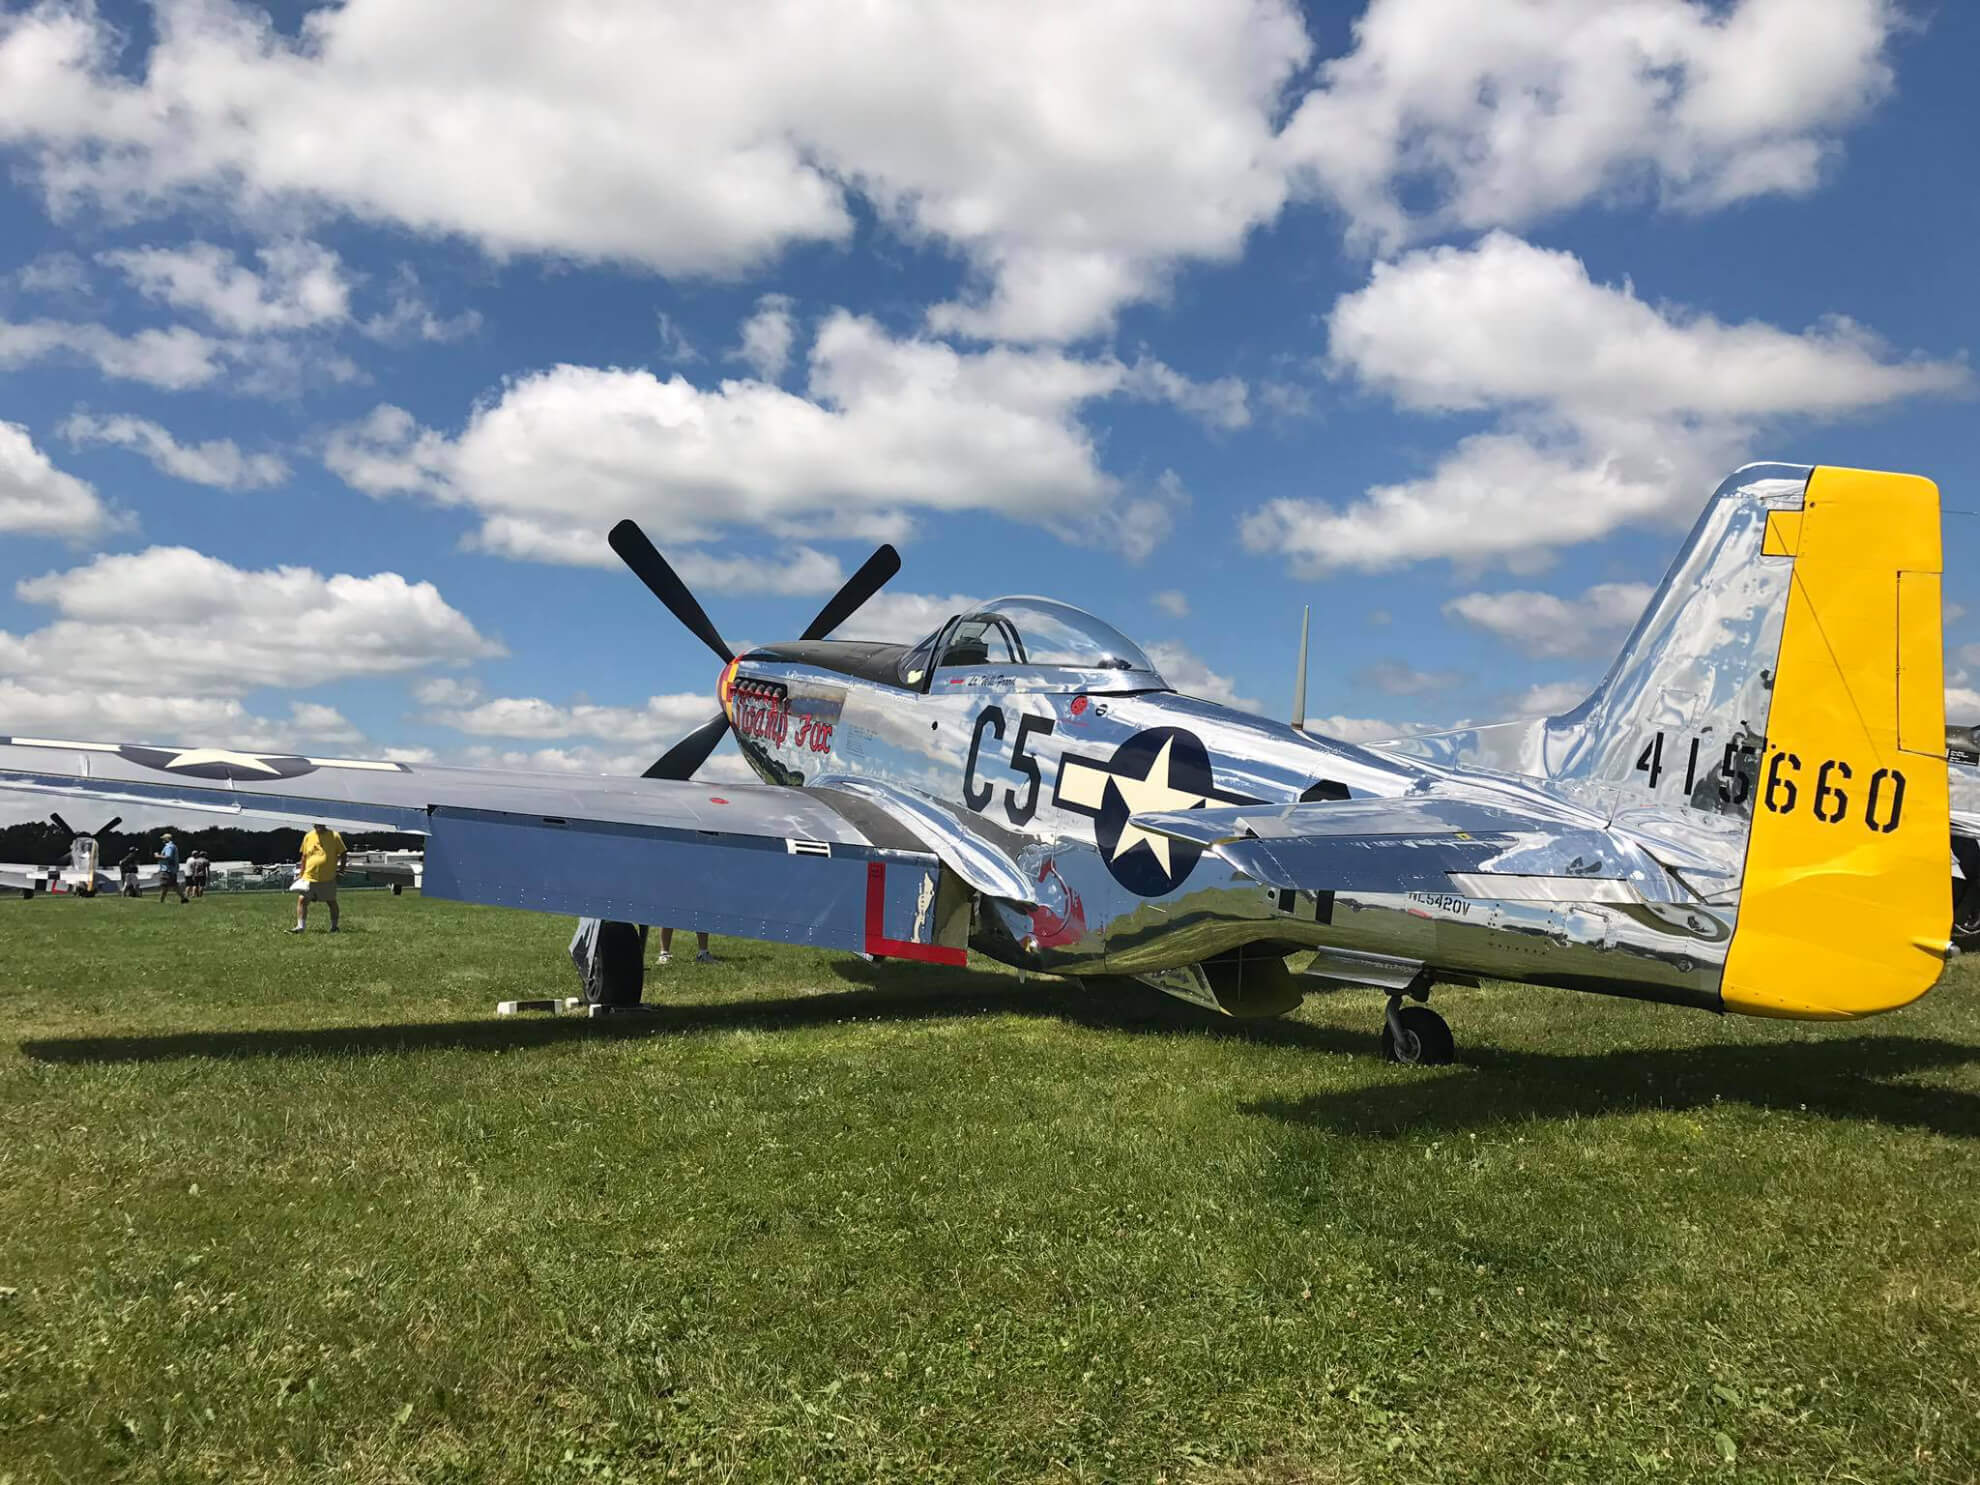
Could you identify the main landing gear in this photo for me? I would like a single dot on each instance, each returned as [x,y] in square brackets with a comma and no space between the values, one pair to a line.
[1415,1034]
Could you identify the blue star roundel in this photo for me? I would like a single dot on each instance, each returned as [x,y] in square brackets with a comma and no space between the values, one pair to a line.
[218,763]
[1162,769]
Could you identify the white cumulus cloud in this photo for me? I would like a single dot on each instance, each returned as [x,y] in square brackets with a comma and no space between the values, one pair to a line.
[530,718]
[1190,674]
[173,359]
[38,499]
[1612,410]
[1361,729]
[884,425]
[792,570]
[1395,678]
[1450,115]
[903,618]
[218,462]
[170,620]
[767,337]
[1543,624]
[300,284]
[1549,698]
[1071,154]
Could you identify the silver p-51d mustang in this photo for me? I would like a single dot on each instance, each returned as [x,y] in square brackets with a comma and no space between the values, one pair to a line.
[85,875]
[1750,812]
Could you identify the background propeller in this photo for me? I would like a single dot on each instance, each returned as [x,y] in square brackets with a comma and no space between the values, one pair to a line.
[684,757]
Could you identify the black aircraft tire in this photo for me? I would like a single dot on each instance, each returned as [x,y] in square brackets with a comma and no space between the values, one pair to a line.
[1427,1039]
[619,970]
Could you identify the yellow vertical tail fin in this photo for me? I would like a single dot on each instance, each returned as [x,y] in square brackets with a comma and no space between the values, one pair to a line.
[1843,909]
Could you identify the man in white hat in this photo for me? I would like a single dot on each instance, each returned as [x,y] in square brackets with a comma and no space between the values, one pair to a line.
[168,868]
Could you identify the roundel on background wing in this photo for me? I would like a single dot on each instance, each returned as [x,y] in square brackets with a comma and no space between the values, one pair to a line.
[218,763]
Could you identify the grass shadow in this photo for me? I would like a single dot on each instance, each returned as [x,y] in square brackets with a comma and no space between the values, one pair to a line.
[879,992]
[1852,1078]
[1855,1078]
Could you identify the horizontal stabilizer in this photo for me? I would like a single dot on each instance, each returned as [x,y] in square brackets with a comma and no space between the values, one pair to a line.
[1422,844]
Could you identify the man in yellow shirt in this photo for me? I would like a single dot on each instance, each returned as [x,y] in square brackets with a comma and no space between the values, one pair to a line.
[322,854]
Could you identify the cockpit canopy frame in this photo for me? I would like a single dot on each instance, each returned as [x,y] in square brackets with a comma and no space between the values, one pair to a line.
[1028,643]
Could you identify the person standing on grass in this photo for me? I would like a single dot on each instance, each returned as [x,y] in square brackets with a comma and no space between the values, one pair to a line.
[129,868]
[168,869]
[702,956]
[322,857]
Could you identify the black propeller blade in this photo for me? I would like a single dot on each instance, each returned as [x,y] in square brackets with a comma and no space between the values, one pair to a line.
[114,822]
[684,757]
[862,585]
[645,560]
[61,824]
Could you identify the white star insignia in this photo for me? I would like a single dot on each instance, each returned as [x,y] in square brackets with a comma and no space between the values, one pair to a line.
[195,757]
[1146,795]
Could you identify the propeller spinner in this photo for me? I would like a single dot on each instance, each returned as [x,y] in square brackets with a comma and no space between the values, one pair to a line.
[638,553]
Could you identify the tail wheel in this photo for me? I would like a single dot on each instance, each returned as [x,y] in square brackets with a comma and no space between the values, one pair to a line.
[1417,1036]
[1966,932]
[1966,894]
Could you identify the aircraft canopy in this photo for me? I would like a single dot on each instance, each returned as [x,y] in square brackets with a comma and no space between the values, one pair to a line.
[1035,631]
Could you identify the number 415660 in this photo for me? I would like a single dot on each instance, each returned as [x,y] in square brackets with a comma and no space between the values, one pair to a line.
[1827,786]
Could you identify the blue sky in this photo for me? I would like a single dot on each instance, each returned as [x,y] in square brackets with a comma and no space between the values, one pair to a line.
[331,344]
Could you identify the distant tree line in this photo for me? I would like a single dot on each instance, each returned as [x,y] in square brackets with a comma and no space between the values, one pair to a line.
[43,843]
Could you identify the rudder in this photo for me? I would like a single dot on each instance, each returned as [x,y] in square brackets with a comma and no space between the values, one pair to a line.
[1842,907]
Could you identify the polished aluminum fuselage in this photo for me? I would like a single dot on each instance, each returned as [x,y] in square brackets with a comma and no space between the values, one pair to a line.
[1053,808]
[1029,777]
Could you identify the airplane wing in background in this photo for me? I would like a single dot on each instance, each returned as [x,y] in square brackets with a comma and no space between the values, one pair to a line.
[1425,843]
[15,877]
[745,860]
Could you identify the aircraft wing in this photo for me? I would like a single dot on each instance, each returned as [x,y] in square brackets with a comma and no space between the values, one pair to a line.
[745,860]
[1424,843]
[15,877]
[111,879]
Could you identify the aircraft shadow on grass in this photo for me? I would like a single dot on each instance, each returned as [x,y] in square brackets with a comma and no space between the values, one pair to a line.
[1857,1077]
[1851,1078]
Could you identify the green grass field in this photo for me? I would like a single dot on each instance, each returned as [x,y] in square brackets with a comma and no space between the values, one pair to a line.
[303,1209]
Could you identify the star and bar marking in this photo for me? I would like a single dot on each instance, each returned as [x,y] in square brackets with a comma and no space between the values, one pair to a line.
[1163,769]
[231,764]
